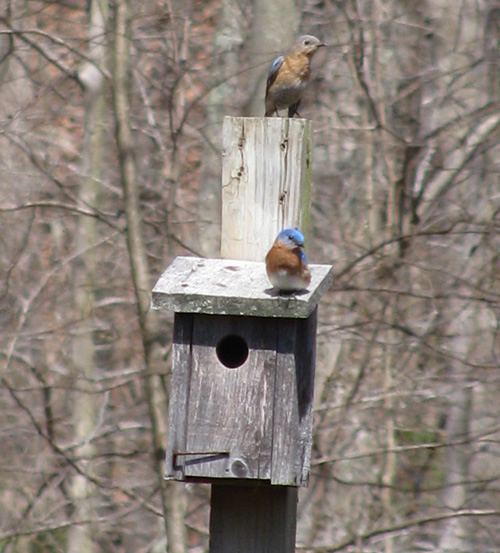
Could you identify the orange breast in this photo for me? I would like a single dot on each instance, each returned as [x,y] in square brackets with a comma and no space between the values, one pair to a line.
[281,257]
[299,65]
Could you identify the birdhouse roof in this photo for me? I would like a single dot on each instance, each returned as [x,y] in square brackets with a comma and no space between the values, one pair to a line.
[234,287]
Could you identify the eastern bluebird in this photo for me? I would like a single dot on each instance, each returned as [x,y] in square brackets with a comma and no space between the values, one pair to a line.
[289,76]
[286,263]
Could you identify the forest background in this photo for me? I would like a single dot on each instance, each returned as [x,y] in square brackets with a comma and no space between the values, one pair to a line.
[110,164]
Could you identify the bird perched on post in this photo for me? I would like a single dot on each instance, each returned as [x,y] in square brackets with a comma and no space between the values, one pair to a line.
[289,76]
[286,262]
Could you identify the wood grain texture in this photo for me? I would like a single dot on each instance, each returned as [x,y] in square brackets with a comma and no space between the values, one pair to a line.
[231,409]
[260,519]
[179,400]
[252,421]
[294,388]
[233,287]
[305,348]
[266,182]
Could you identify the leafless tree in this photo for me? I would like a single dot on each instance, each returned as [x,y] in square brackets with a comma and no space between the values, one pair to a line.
[110,163]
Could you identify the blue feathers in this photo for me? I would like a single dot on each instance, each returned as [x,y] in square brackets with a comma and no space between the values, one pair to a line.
[273,71]
[291,235]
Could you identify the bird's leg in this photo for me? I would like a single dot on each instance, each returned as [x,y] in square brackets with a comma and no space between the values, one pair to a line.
[293,110]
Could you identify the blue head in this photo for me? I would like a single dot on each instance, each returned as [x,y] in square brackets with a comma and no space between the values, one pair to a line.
[292,238]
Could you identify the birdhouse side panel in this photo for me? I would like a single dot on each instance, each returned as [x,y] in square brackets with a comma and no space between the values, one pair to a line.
[305,355]
[293,401]
[179,387]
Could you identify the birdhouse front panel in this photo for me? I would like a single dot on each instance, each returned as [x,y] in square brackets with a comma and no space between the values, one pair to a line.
[231,397]
[241,403]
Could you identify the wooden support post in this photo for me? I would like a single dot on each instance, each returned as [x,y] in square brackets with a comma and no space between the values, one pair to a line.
[266,183]
[265,187]
[256,519]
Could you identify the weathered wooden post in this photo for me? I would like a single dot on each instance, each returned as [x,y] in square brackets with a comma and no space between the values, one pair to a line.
[243,357]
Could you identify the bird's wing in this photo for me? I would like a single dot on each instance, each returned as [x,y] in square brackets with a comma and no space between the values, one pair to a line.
[273,72]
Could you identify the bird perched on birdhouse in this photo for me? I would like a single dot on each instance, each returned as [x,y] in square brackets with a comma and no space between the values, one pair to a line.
[286,262]
[289,76]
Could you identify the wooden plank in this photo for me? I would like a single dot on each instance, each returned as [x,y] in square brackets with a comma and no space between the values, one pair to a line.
[266,182]
[285,461]
[178,401]
[305,370]
[293,403]
[233,287]
[230,409]
[260,519]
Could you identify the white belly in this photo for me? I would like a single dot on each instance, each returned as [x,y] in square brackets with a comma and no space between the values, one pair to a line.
[284,281]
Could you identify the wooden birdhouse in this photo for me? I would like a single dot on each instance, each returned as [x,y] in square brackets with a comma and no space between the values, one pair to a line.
[243,372]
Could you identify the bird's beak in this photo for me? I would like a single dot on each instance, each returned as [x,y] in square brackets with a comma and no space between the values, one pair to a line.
[321,44]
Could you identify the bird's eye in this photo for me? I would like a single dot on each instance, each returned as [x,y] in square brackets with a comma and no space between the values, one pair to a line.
[307,42]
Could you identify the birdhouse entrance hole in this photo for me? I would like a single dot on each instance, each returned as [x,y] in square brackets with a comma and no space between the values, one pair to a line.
[232,351]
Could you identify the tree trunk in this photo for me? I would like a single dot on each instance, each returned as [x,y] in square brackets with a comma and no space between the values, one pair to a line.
[274,28]
[454,536]
[225,68]
[172,494]
[83,349]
